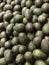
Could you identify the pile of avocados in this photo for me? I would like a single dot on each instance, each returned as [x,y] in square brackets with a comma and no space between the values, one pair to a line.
[24,32]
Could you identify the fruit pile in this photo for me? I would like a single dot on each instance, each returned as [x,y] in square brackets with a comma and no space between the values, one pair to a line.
[24,32]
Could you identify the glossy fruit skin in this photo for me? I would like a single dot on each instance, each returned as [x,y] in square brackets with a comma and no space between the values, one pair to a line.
[23,38]
[28,14]
[38,3]
[7,44]
[39,33]
[2,61]
[28,3]
[37,11]
[5,24]
[38,54]
[3,34]
[2,49]
[8,56]
[38,62]
[16,12]
[15,49]
[29,27]
[45,14]
[42,19]
[2,5]
[23,11]
[2,42]
[30,36]
[25,21]
[45,28]
[22,49]
[32,8]
[31,46]
[45,46]
[15,33]
[27,63]
[17,1]
[13,3]
[45,7]
[7,16]
[34,18]
[46,38]
[12,21]
[17,8]
[19,27]
[8,11]
[37,41]
[7,7]
[24,32]
[9,2]
[19,58]
[28,56]
[23,3]
[9,28]
[18,18]
[37,25]
[14,41]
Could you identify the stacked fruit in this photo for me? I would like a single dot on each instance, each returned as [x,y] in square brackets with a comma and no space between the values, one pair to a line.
[24,32]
